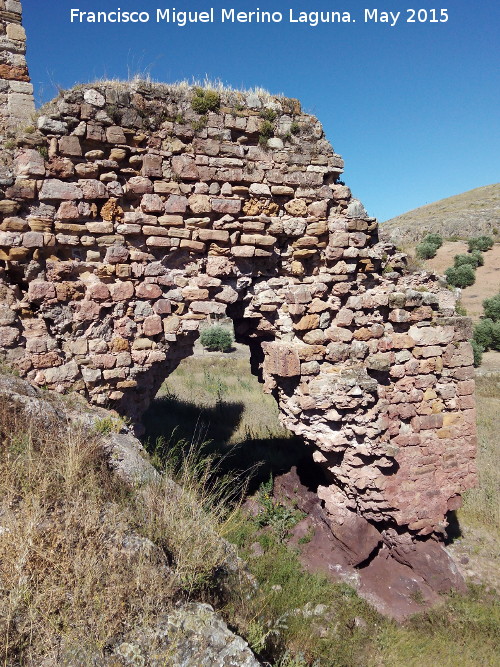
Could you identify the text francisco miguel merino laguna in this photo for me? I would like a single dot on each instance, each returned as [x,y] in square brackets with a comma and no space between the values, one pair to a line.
[229,15]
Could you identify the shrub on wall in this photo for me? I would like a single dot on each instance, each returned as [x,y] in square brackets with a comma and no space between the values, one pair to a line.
[216,339]
[205,100]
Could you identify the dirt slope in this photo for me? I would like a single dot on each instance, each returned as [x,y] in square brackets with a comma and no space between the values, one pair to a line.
[487,277]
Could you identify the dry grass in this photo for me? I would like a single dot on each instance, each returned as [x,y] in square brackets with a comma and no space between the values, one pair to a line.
[82,557]
[215,400]
[209,381]
[482,505]
[185,84]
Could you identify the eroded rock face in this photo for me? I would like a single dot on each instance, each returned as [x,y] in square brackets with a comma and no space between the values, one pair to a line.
[137,221]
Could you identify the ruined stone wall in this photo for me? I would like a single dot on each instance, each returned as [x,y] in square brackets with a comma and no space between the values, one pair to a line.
[16,92]
[133,219]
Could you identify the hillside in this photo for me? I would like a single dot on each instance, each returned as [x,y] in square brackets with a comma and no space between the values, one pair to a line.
[471,213]
[487,277]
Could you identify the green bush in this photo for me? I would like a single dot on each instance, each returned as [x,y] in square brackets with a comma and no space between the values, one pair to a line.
[473,259]
[460,276]
[492,308]
[479,256]
[478,352]
[482,243]
[216,339]
[205,100]
[429,246]
[426,250]
[434,239]
[487,334]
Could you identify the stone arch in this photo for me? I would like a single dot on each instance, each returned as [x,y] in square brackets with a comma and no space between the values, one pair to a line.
[131,217]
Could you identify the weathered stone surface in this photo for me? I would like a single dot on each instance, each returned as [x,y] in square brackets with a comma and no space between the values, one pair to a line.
[281,360]
[55,189]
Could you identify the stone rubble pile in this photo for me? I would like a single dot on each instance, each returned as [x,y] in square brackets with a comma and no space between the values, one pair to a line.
[139,212]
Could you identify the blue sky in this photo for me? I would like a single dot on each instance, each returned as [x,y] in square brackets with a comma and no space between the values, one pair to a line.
[414,109]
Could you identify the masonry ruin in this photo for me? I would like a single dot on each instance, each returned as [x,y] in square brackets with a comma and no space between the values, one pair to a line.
[134,213]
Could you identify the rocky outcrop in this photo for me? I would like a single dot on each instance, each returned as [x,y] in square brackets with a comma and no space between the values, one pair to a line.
[138,219]
[397,574]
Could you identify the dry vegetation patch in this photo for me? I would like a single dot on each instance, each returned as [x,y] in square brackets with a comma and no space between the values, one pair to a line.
[83,557]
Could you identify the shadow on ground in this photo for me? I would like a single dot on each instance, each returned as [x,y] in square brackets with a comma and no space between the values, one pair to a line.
[170,420]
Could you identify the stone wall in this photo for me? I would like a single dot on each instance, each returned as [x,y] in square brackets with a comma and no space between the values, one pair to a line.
[133,219]
[17,106]
[135,214]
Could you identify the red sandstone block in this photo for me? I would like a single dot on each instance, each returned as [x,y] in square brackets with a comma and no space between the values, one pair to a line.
[98,291]
[226,206]
[458,354]
[213,235]
[22,189]
[93,189]
[162,307]
[159,242]
[148,291]
[281,360]
[122,291]
[176,204]
[115,135]
[33,240]
[152,166]
[185,167]
[116,254]
[465,388]
[8,336]
[41,291]
[139,185]
[29,163]
[87,310]
[152,325]
[195,246]
[208,307]
[70,146]
[427,422]
[55,189]
[402,341]
[103,361]
[151,203]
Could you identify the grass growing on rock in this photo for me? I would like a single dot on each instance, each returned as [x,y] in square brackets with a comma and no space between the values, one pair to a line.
[83,556]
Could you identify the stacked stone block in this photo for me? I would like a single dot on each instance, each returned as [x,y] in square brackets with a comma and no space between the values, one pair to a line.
[17,106]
